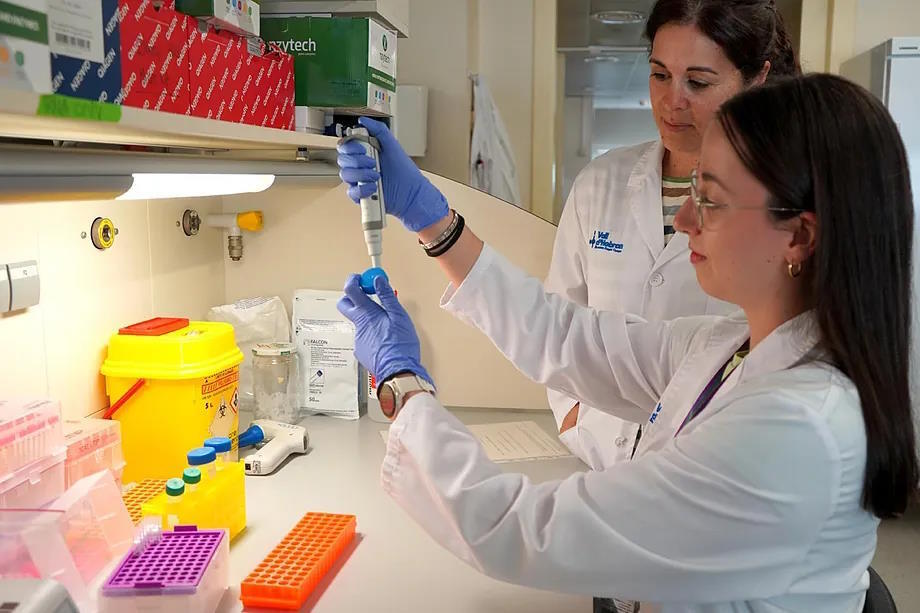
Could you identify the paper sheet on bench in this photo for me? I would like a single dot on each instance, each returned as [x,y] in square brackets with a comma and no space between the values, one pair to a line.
[514,441]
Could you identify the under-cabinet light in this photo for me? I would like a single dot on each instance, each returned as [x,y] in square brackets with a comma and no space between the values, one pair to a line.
[153,186]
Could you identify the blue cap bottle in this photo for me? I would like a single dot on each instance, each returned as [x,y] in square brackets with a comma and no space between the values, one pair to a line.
[203,458]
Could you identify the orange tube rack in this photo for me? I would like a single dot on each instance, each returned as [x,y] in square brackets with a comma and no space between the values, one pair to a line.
[139,494]
[287,575]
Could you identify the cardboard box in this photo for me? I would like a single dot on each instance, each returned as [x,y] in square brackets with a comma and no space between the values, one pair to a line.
[25,60]
[268,91]
[216,73]
[154,56]
[84,37]
[237,16]
[346,64]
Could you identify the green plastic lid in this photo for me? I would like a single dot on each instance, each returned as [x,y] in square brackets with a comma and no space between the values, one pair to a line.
[175,487]
[191,475]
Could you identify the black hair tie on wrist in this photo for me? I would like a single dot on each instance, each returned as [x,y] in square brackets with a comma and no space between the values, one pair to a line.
[445,245]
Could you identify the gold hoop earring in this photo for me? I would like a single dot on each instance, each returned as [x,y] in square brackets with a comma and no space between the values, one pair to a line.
[795,269]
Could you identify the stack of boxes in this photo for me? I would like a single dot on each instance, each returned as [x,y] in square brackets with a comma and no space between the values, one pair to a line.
[200,57]
[149,54]
[342,65]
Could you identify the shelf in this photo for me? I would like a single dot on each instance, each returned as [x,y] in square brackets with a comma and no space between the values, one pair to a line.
[394,14]
[19,119]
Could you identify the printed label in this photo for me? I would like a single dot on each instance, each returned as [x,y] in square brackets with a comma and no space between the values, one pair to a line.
[381,49]
[75,29]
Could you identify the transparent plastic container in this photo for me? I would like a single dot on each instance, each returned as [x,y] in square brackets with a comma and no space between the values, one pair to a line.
[186,570]
[275,382]
[71,540]
[29,431]
[35,485]
[92,445]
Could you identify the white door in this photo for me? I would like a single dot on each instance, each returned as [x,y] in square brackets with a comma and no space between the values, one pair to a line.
[903,101]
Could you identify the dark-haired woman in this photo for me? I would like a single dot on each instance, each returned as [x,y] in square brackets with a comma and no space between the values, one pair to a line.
[616,247]
[777,436]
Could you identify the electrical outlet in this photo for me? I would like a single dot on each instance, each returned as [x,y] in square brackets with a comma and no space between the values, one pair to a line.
[24,284]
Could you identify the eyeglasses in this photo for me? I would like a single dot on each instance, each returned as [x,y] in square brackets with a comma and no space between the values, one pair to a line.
[705,208]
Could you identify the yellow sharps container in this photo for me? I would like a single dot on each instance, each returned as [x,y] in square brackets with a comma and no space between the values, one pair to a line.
[172,384]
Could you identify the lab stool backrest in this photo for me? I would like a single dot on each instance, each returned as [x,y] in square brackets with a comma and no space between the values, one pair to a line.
[878,598]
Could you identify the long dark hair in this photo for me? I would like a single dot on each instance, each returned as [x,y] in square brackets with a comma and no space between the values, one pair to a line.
[823,144]
[749,32]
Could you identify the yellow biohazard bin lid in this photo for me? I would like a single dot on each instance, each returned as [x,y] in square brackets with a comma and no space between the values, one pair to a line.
[171,349]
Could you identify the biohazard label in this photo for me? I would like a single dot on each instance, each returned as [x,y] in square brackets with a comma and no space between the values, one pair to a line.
[220,394]
[219,381]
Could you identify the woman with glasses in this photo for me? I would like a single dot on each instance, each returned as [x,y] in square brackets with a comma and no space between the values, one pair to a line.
[617,248]
[777,437]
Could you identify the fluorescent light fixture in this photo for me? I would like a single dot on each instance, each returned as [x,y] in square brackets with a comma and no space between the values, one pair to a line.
[618,18]
[591,59]
[153,186]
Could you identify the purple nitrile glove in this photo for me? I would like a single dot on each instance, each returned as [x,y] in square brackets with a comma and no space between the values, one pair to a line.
[408,195]
[385,339]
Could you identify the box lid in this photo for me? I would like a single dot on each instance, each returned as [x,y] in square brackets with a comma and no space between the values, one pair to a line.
[32,472]
[200,349]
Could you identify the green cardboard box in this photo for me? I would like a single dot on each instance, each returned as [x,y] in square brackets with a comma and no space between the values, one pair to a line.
[238,16]
[345,64]
[25,58]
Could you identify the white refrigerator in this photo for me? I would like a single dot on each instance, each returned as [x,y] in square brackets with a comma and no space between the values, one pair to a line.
[891,71]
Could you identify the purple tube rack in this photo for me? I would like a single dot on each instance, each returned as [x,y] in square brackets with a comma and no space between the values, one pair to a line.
[174,564]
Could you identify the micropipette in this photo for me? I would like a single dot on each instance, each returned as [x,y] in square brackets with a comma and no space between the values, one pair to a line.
[373,210]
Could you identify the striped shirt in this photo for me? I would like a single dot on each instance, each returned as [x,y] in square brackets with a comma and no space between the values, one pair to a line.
[674,191]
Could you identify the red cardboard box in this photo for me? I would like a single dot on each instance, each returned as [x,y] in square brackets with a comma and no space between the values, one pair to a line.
[216,74]
[268,91]
[154,56]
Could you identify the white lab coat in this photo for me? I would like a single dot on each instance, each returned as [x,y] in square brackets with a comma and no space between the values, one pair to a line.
[630,270]
[492,166]
[754,506]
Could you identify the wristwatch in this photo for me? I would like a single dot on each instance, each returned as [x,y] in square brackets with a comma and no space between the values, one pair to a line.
[392,392]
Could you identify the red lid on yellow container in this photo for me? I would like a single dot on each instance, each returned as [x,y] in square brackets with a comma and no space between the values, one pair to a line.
[157,326]
[200,349]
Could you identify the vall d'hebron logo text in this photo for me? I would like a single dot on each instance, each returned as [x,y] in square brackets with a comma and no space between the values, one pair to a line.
[601,240]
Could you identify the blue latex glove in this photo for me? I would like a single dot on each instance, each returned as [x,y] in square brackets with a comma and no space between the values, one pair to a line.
[385,339]
[408,195]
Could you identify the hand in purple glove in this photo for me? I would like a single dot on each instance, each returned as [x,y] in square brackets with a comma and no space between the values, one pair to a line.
[408,195]
[385,339]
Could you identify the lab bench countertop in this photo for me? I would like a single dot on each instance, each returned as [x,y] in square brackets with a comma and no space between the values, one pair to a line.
[393,565]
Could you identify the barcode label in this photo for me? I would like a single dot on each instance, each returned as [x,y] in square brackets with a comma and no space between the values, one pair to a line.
[73,41]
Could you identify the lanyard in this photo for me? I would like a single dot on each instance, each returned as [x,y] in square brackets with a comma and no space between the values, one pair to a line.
[710,390]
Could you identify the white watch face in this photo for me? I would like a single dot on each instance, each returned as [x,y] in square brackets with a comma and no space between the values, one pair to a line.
[387,399]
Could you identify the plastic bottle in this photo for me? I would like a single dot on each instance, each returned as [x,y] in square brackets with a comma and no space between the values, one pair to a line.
[203,458]
[175,488]
[191,477]
[221,446]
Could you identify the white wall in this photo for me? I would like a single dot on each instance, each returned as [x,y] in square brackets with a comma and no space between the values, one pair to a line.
[56,348]
[879,20]
[435,55]
[451,39]
[506,47]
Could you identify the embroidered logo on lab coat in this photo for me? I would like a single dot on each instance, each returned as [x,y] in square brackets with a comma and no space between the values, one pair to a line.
[654,416]
[601,240]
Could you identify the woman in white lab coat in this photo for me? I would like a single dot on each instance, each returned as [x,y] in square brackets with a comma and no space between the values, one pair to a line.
[778,436]
[616,248]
